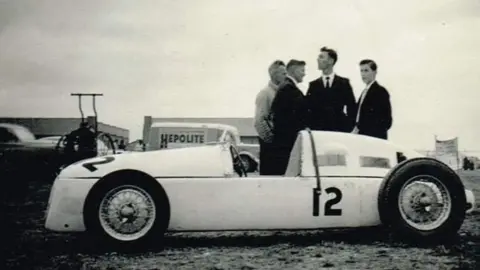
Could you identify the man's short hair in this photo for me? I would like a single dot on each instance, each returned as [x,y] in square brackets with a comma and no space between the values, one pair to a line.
[295,62]
[369,62]
[331,53]
[274,66]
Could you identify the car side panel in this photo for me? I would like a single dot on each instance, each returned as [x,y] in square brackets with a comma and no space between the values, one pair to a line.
[254,203]
[262,203]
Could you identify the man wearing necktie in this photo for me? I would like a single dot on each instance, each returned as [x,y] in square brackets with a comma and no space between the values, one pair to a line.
[330,100]
[374,114]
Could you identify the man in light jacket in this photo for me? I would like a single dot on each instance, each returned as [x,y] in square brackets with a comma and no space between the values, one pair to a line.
[263,116]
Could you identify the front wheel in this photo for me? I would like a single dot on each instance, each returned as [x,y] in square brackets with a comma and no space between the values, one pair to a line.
[127,211]
[422,200]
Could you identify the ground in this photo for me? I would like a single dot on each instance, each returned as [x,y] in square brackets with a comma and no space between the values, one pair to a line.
[27,245]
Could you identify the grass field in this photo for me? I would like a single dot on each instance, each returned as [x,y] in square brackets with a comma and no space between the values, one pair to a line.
[27,245]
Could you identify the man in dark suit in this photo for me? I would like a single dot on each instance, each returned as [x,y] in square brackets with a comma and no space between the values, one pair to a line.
[288,111]
[330,100]
[374,115]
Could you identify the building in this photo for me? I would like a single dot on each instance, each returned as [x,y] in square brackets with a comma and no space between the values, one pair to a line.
[44,127]
[245,127]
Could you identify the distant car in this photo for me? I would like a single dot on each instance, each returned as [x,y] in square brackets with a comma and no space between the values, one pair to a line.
[19,149]
[169,135]
[333,180]
[13,133]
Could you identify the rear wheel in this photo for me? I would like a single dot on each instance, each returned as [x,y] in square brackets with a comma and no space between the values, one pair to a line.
[127,210]
[422,199]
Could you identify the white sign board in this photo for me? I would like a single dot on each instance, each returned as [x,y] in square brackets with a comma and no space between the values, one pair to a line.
[178,139]
[447,152]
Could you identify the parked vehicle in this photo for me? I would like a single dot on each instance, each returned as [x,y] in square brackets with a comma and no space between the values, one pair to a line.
[170,135]
[22,155]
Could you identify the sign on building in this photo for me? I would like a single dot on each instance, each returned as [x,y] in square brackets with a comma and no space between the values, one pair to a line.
[177,138]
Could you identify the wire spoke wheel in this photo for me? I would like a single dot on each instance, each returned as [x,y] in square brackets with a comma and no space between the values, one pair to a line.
[424,202]
[127,213]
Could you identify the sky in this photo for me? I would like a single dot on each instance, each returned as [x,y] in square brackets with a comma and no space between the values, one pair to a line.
[209,58]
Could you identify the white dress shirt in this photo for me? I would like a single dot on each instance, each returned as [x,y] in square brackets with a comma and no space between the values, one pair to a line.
[330,77]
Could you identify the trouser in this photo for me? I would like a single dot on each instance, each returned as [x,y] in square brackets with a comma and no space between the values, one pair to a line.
[275,157]
[281,158]
[267,158]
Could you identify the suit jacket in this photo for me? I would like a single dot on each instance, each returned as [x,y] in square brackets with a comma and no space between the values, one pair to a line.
[375,112]
[288,111]
[326,105]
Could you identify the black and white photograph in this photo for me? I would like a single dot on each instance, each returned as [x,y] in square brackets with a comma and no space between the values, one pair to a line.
[220,134]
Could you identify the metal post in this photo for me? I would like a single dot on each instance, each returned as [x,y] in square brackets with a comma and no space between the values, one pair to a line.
[79,104]
[93,95]
[95,112]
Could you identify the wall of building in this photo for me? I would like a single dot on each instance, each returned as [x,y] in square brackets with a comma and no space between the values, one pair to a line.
[249,139]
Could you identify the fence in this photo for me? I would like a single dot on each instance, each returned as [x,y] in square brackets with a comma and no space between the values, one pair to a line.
[454,159]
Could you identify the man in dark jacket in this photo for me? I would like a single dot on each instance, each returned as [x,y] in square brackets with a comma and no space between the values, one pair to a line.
[330,100]
[288,111]
[85,139]
[374,115]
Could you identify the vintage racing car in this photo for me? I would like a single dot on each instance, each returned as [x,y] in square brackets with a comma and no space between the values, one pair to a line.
[333,180]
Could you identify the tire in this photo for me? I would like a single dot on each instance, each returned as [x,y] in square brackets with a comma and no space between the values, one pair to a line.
[141,187]
[405,177]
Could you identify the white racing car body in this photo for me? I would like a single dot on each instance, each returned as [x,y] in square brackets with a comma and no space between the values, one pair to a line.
[333,180]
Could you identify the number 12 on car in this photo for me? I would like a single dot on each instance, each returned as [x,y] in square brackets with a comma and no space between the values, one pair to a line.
[329,208]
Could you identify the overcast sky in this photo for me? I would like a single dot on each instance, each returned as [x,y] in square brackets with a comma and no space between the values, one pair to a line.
[209,58]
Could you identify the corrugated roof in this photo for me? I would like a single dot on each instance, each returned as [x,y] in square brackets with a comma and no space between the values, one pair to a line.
[244,125]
